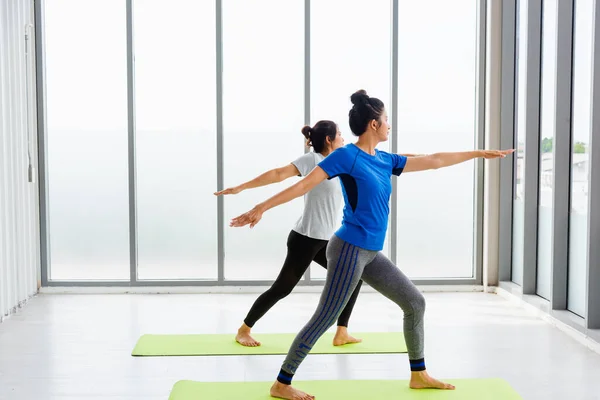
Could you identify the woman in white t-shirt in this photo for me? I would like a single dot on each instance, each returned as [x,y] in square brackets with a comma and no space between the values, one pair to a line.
[308,239]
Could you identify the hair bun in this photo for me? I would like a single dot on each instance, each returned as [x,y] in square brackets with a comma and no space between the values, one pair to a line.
[306,131]
[360,98]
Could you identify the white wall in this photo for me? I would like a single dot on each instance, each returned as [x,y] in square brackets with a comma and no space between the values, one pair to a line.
[19,221]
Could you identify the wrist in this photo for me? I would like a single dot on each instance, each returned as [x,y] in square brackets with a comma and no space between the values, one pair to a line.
[262,207]
[478,154]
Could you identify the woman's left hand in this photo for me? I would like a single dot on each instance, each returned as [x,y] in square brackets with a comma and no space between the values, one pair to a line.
[488,154]
[251,217]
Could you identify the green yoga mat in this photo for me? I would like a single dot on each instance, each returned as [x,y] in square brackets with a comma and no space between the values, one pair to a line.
[466,389]
[225,345]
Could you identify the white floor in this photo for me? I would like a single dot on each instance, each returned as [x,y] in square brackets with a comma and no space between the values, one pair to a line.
[78,346]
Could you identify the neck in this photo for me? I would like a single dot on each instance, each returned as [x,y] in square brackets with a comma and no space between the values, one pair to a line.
[325,152]
[367,143]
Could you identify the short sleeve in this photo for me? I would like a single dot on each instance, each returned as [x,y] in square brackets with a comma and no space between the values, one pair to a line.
[305,163]
[398,164]
[339,162]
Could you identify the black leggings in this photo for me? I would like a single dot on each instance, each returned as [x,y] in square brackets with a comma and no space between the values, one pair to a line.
[302,250]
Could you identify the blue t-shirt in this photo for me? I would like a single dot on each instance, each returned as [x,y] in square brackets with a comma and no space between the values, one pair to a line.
[367,188]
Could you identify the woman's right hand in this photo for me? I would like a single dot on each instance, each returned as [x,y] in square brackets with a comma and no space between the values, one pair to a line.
[232,190]
[251,217]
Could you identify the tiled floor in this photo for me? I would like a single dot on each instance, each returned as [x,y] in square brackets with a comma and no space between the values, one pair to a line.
[78,346]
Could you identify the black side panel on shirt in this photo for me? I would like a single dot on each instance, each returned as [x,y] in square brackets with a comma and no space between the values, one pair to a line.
[351,189]
[397,171]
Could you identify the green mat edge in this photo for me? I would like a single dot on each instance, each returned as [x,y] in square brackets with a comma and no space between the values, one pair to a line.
[267,384]
[136,354]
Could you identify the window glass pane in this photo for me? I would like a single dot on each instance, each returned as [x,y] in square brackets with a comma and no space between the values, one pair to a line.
[580,172]
[346,57]
[86,78]
[263,115]
[518,204]
[548,111]
[176,150]
[437,87]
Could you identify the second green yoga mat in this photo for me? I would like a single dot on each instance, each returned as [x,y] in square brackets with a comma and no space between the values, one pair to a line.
[466,389]
[225,345]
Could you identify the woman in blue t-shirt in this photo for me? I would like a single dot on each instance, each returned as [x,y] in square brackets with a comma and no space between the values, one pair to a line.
[353,253]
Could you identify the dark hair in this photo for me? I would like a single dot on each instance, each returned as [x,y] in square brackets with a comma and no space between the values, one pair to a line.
[365,110]
[316,136]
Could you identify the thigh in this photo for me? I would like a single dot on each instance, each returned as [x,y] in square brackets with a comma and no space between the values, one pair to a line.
[301,250]
[321,256]
[387,279]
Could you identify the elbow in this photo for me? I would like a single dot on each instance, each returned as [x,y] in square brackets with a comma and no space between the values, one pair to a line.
[303,188]
[435,162]
[278,176]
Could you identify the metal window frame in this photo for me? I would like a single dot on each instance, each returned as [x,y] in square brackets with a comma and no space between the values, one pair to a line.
[592,316]
[131,144]
[221,281]
[532,144]
[507,134]
[532,140]
[307,87]
[392,223]
[40,74]
[562,155]
[220,144]
[480,141]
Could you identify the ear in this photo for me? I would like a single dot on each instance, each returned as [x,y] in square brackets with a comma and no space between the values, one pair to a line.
[374,124]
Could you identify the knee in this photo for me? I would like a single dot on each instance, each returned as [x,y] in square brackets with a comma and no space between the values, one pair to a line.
[418,305]
[281,291]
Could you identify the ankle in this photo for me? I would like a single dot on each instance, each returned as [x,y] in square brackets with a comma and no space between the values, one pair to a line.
[342,330]
[284,378]
[244,329]
[417,365]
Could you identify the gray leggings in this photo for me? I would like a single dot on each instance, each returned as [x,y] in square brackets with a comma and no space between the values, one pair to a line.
[347,265]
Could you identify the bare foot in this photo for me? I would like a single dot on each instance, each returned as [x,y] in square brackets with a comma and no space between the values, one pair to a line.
[243,337]
[342,337]
[422,380]
[281,391]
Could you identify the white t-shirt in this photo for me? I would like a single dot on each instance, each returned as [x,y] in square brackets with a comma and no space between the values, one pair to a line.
[322,205]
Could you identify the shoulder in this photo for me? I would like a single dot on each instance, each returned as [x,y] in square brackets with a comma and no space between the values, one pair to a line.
[383,154]
[306,158]
[348,151]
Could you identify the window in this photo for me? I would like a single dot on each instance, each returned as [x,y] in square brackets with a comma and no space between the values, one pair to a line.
[580,157]
[437,86]
[176,149]
[547,127]
[263,79]
[518,199]
[87,139]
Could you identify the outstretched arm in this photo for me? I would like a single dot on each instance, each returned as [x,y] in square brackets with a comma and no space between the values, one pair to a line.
[269,177]
[441,160]
[298,189]
[412,155]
